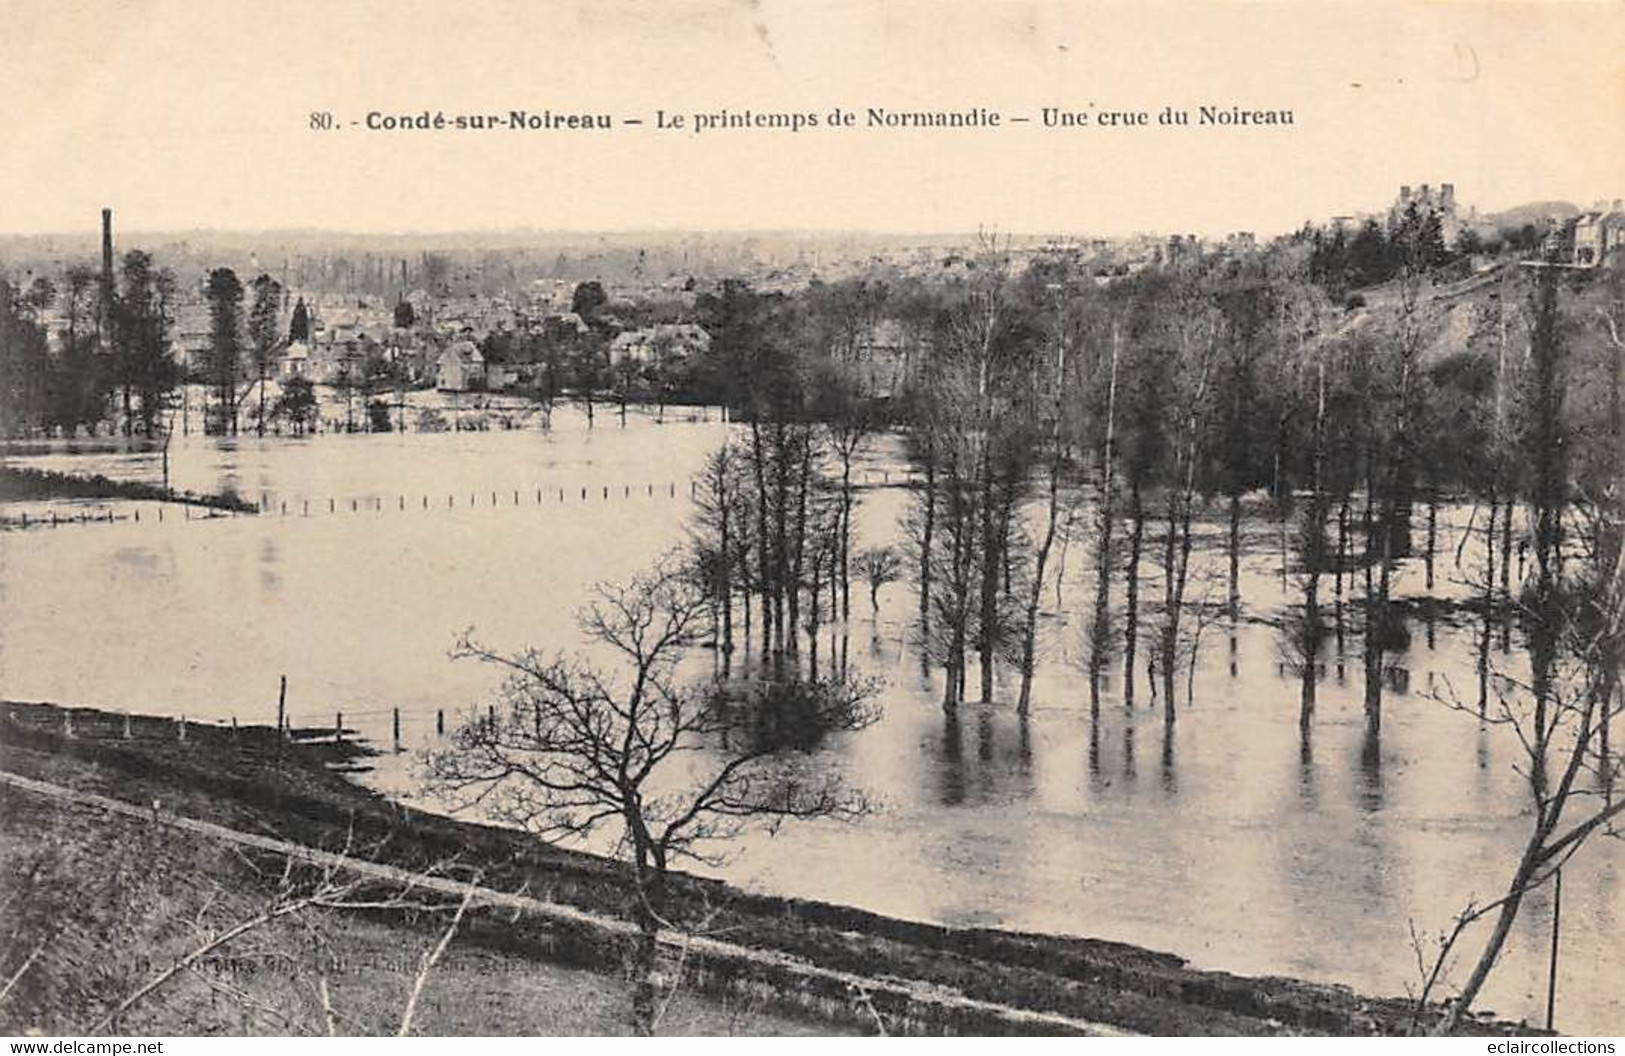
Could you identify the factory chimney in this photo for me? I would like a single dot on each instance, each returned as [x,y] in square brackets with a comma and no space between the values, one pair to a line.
[106,320]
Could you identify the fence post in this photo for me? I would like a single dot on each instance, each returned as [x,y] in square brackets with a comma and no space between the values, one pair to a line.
[440,722]
[397,731]
[1551,975]
[338,727]
[126,725]
[330,506]
[67,723]
[281,705]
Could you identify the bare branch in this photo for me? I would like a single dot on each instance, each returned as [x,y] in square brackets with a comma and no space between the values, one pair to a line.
[432,957]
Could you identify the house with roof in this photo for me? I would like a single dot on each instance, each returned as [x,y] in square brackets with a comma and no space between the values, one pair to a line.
[1598,236]
[662,343]
[461,368]
[294,361]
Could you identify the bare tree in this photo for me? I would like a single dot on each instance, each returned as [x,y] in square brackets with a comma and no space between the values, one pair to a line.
[878,565]
[1575,614]
[1052,509]
[667,771]
[719,534]
[1100,631]
[1189,407]
[1569,743]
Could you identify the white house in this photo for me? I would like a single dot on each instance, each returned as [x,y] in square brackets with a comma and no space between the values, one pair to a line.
[1598,236]
[461,368]
[294,361]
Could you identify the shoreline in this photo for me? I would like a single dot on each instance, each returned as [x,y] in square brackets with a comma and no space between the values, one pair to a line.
[243,779]
[21,484]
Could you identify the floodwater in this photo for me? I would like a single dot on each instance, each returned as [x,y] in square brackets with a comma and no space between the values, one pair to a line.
[1229,839]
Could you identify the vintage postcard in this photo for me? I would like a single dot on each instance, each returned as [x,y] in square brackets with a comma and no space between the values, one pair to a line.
[741,517]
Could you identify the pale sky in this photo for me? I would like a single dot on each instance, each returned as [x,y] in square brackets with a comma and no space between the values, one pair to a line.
[185,115]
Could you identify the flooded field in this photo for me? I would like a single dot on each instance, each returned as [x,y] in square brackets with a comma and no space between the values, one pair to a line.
[1230,839]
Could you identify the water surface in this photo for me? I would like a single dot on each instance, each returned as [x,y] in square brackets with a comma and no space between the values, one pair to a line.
[1229,839]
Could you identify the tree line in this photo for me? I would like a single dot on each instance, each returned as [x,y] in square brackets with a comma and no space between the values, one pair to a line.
[114,351]
[1142,418]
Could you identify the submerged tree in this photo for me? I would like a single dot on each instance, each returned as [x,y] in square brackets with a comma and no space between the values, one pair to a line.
[1310,629]
[78,386]
[1027,665]
[224,292]
[1194,336]
[297,404]
[1100,627]
[264,333]
[24,356]
[1248,305]
[877,566]
[1573,612]
[1142,439]
[1393,412]
[143,367]
[977,438]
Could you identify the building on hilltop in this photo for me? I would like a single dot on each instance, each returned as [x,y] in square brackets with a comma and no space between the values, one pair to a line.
[1441,203]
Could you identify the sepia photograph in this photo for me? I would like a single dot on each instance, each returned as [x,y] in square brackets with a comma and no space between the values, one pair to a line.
[740,518]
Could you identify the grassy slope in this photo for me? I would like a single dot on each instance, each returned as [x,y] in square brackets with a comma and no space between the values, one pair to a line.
[237,781]
[110,916]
